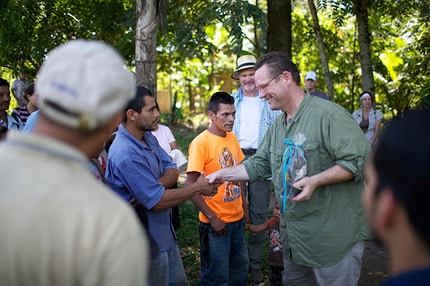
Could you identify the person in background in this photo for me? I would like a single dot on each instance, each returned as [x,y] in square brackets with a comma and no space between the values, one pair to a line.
[368,118]
[30,122]
[274,250]
[7,121]
[323,226]
[311,83]
[253,118]
[19,86]
[223,253]
[167,141]
[139,169]
[397,196]
[24,111]
[59,225]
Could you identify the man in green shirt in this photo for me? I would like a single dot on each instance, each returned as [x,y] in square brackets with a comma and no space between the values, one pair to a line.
[323,226]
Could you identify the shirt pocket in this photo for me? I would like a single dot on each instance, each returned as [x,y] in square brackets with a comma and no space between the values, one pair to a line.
[312,152]
[276,161]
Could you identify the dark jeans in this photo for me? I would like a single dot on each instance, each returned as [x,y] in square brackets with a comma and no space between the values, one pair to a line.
[223,258]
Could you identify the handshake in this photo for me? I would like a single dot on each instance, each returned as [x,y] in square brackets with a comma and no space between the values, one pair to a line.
[205,187]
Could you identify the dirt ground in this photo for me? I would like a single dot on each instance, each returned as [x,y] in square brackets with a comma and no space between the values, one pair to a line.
[375,265]
[374,269]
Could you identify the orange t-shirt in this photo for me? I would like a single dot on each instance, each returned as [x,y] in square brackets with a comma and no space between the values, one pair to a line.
[209,153]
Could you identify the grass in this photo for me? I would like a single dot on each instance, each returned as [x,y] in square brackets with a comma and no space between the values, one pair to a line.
[188,239]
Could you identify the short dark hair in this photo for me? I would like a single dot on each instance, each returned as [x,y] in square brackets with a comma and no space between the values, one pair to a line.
[138,102]
[278,62]
[29,90]
[4,82]
[217,98]
[401,160]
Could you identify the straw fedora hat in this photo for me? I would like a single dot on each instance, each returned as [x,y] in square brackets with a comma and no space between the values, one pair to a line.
[244,62]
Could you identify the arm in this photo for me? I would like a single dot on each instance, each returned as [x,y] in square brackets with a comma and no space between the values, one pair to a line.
[259,227]
[235,173]
[333,175]
[377,129]
[173,145]
[217,224]
[174,197]
[169,178]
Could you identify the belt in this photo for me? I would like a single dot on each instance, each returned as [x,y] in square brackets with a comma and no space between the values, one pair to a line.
[249,151]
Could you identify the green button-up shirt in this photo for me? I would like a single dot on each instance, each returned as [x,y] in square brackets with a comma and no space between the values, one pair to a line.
[318,232]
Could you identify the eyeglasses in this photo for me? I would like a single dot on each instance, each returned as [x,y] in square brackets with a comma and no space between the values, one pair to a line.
[263,87]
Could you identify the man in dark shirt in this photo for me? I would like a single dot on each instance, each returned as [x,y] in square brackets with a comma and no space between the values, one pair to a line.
[311,83]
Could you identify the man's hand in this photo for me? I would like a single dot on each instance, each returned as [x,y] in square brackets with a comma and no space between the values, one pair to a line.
[217,225]
[215,177]
[235,173]
[306,188]
[308,185]
[206,188]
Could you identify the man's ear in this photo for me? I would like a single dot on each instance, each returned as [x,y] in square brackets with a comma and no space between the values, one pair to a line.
[131,115]
[211,114]
[387,210]
[287,77]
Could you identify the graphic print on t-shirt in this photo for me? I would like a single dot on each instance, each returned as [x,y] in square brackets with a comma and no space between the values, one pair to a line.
[231,191]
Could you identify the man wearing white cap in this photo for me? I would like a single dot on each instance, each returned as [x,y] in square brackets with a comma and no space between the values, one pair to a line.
[253,118]
[59,225]
[311,83]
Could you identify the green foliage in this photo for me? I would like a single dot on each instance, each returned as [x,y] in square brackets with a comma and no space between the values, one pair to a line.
[36,27]
[340,10]
[202,40]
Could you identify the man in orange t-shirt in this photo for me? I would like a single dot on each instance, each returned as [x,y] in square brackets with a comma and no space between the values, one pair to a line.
[223,252]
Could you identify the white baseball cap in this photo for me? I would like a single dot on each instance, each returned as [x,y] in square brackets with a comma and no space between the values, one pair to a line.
[311,75]
[83,84]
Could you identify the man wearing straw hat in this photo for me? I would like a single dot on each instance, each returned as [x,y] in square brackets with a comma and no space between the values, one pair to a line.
[253,118]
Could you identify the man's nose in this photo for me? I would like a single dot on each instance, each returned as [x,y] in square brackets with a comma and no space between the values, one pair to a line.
[261,93]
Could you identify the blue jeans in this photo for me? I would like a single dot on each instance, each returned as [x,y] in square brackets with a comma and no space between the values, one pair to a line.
[223,258]
[167,269]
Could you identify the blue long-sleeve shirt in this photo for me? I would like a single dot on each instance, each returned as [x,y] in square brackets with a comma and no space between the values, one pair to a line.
[133,170]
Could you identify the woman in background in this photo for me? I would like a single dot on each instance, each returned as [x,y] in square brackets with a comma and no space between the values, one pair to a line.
[368,118]
[24,111]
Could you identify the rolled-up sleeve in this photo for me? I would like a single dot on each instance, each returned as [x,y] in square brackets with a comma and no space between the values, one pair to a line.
[348,145]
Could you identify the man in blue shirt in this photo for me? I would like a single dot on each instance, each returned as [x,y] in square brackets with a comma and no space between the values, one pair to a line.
[138,168]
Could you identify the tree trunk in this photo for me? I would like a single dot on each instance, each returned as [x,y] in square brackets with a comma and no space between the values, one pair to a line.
[321,49]
[279,36]
[146,40]
[367,82]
